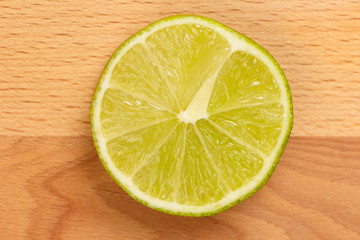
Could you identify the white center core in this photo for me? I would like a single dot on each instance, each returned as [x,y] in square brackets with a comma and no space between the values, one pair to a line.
[197,108]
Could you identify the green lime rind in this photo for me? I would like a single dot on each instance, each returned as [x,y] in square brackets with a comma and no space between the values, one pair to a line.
[277,158]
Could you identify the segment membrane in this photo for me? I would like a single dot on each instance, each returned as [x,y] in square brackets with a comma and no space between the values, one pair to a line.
[121,113]
[244,80]
[135,149]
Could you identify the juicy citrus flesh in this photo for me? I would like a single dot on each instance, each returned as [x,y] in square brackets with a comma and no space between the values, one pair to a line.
[190,117]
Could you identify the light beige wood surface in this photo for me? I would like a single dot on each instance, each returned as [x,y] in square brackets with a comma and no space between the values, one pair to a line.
[54,187]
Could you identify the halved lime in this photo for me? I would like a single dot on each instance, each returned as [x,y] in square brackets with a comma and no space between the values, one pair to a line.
[190,117]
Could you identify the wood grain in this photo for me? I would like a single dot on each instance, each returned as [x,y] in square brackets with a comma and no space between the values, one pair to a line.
[53,185]
[53,52]
[57,188]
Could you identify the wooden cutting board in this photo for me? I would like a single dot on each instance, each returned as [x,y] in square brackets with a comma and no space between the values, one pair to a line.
[54,187]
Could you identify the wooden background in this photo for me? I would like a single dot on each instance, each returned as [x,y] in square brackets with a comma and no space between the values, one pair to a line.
[54,187]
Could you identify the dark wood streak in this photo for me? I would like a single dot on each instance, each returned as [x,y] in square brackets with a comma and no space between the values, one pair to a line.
[63,191]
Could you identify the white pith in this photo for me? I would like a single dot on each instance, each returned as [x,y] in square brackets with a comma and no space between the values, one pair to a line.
[190,116]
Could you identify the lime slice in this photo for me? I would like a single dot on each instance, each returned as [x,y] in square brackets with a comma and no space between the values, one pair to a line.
[191,117]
